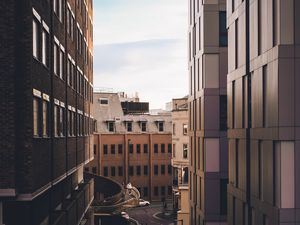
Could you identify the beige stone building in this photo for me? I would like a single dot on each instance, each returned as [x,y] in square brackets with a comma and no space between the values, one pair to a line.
[208,112]
[132,145]
[263,104]
[180,160]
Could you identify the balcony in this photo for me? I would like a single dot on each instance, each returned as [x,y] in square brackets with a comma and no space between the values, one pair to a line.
[111,197]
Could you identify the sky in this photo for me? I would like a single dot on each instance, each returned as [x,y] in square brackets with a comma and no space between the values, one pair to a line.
[141,46]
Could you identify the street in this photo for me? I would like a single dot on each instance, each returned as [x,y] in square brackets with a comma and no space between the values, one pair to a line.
[146,215]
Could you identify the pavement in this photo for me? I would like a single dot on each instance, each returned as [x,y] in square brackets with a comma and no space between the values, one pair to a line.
[151,215]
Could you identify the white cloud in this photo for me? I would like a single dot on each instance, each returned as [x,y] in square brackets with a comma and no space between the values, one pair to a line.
[140,45]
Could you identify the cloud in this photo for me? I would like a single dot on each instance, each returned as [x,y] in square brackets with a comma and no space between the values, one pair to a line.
[140,45]
[137,55]
[127,20]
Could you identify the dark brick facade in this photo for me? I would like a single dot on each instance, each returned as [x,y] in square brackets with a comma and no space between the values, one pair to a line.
[38,175]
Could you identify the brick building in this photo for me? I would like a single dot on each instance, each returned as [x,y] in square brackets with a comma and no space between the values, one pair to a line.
[46,124]
[132,146]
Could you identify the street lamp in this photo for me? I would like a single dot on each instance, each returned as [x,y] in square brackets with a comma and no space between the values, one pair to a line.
[128,164]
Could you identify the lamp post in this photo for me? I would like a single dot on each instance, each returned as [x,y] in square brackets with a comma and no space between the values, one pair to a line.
[128,164]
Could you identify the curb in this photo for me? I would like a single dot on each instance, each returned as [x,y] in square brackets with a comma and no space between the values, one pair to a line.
[134,221]
[156,217]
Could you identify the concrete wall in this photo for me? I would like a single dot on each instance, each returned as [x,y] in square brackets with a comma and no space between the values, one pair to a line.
[262,104]
[207,111]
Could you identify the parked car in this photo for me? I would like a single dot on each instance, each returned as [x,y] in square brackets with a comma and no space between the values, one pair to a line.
[143,202]
[125,215]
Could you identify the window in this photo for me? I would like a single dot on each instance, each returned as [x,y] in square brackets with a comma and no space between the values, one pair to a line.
[103,101]
[70,23]
[95,149]
[46,118]
[112,149]
[264,95]
[169,190]
[162,190]
[131,173]
[105,149]
[236,162]
[155,148]
[156,191]
[35,39]
[223,196]
[155,169]
[138,170]
[145,191]
[61,121]
[160,126]
[120,148]
[131,148]
[199,153]
[105,171]
[145,170]
[36,117]
[94,170]
[111,126]
[45,47]
[200,27]
[79,123]
[145,148]
[185,129]
[86,169]
[169,148]
[72,72]
[68,19]
[120,171]
[73,123]
[143,126]
[185,151]
[174,150]
[162,169]
[61,63]
[233,105]
[260,31]
[138,148]
[129,126]
[223,112]
[58,9]
[222,30]
[237,43]
[174,129]
[56,58]
[69,69]
[56,120]
[284,154]
[79,40]
[70,122]
[212,159]
[162,148]
[169,169]
[113,171]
